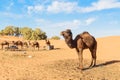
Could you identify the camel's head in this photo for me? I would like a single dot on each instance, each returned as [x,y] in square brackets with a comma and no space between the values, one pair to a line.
[68,37]
[67,34]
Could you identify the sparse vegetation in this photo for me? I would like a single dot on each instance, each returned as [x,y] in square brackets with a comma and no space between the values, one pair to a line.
[55,37]
[26,32]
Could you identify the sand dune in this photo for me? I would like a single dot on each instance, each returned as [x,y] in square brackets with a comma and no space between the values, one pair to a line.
[60,63]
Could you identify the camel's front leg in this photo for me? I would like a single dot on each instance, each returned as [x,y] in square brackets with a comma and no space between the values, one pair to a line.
[8,45]
[2,47]
[80,57]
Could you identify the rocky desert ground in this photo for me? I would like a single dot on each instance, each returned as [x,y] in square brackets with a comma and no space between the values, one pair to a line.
[61,63]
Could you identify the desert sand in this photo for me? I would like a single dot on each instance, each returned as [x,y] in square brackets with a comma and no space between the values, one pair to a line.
[60,63]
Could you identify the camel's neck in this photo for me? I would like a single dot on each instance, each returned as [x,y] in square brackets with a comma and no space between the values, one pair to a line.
[70,43]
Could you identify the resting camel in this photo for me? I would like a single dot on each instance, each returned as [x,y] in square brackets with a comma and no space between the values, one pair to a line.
[18,43]
[82,41]
[4,43]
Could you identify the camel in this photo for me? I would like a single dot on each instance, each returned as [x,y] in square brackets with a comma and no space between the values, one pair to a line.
[47,42]
[4,43]
[49,46]
[35,44]
[82,41]
[26,44]
[18,43]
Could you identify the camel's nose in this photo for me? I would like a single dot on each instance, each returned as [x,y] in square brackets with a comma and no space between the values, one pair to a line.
[62,33]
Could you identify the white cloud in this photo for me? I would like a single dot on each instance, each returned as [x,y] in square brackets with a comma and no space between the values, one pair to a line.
[101,5]
[10,6]
[11,15]
[65,24]
[89,21]
[36,9]
[68,24]
[54,7]
[73,24]
[40,20]
[67,7]
[70,7]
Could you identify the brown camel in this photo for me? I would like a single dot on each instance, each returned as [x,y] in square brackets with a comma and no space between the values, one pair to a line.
[47,42]
[81,42]
[26,44]
[35,44]
[4,43]
[18,43]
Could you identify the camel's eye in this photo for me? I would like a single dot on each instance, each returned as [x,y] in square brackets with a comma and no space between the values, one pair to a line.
[68,34]
[66,37]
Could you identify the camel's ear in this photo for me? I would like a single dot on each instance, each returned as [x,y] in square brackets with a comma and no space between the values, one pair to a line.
[68,30]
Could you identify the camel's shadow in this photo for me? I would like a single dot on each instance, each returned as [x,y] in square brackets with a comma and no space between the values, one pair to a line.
[104,64]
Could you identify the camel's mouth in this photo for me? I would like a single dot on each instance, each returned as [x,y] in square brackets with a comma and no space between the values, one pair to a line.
[62,33]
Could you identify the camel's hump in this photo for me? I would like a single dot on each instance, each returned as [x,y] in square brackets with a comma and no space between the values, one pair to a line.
[85,32]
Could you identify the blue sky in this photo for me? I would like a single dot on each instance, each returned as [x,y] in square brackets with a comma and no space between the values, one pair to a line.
[99,17]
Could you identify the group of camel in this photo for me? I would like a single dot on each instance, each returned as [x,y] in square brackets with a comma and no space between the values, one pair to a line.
[22,44]
[82,41]
[19,43]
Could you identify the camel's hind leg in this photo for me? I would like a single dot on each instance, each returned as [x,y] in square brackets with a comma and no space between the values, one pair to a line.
[93,54]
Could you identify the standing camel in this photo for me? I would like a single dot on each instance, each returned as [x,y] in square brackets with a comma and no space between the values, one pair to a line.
[81,42]
[47,42]
[4,43]
[26,44]
[18,43]
[35,44]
